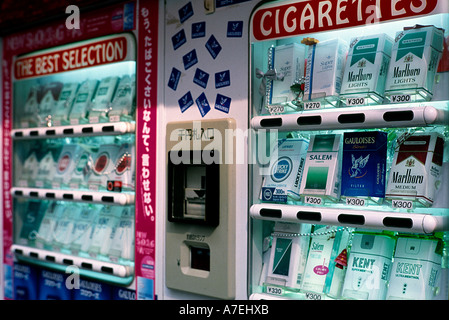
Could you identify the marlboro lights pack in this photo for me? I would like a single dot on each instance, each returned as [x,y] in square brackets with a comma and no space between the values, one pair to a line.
[283,178]
[414,62]
[416,171]
[364,164]
[366,69]
[321,171]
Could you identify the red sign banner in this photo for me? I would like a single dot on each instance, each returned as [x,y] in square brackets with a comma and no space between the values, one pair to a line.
[84,56]
[323,15]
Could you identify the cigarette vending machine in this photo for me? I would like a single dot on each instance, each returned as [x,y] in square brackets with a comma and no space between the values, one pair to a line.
[79,121]
[348,154]
[202,142]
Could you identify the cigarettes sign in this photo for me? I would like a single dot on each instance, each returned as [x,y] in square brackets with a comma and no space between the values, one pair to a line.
[317,16]
[83,56]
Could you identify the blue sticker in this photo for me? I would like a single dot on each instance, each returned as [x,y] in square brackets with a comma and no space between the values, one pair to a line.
[213,46]
[203,104]
[225,3]
[198,30]
[185,12]
[128,16]
[186,101]
[174,78]
[190,59]
[235,29]
[179,39]
[201,77]
[222,79]
[223,103]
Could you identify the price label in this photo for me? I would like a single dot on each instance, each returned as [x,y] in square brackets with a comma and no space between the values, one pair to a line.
[114,118]
[275,109]
[402,204]
[312,105]
[355,202]
[313,200]
[400,98]
[275,290]
[313,296]
[355,101]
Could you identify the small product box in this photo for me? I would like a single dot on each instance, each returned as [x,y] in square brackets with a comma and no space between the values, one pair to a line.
[364,165]
[324,71]
[46,171]
[414,62]
[416,270]
[366,70]
[25,282]
[322,275]
[288,61]
[65,166]
[103,166]
[288,254]
[416,172]
[78,113]
[283,177]
[123,175]
[322,168]
[53,286]
[62,108]
[369,266]
[101,102]
[92,290]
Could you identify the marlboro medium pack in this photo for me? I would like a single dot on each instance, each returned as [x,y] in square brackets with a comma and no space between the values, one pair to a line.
[364,164]
[416,170]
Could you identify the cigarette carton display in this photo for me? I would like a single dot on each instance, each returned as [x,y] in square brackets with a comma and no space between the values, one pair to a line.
[414,62]
[366,70]
[103,166]
[288,255]
[283,179]
[62,108]
[288,61]
[324,71]
[102,100]
[122,106]
[416,172]
[364,164]
[369,266]
[320,274]
[83,99]
[322,167]
[416,270]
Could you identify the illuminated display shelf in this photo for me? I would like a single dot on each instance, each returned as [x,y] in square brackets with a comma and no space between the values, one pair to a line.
[88,267]
[86,196]
[352,118]
[93,129]
[366,117]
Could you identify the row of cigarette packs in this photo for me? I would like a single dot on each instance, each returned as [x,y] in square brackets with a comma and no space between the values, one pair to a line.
[365,72]
[91,231]
[92,101]
[354,165]
[107,167]
[356,265]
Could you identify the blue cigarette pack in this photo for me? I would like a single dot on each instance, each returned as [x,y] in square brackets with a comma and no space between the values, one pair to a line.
[364,164]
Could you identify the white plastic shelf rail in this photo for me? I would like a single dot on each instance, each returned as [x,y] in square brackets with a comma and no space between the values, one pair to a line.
[366,117]
[86,196]
[395,221]
[104,267]
[94,129]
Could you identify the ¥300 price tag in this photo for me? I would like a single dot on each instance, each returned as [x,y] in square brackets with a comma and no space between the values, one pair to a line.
[355,202]
[402,204]
[355,101]
[400,98]
[313,200]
